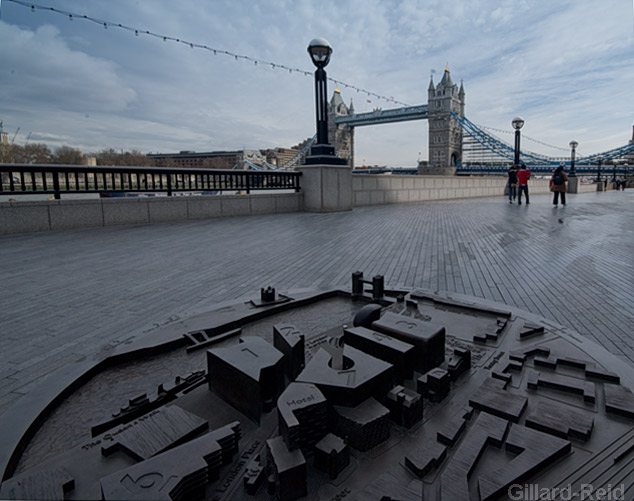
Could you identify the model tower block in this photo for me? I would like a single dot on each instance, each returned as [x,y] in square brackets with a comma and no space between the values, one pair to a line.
[332,455]
[364,426]
[286,469]
[428,338]
[361,376]
[302,412]
[248,375]
[290,341]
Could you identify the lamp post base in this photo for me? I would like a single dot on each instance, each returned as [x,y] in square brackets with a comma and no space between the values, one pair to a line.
[327,187]
[573,184]
[324,154]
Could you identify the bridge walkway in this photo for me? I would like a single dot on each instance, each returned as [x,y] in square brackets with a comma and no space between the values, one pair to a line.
[71,294]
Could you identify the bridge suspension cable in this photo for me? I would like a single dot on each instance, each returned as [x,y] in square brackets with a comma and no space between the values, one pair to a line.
[482,147]
[524,136]
[496,145]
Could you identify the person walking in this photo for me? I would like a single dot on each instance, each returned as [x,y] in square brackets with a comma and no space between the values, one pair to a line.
[558,185]
[523,176]
[512,183]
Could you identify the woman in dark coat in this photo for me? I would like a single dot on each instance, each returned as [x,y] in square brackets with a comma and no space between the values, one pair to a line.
[558,185]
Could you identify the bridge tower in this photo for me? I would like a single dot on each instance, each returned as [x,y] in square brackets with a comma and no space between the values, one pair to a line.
[341,136]
[445,134]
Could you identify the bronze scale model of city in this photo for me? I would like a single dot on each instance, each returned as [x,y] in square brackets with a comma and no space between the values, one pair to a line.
[362,394]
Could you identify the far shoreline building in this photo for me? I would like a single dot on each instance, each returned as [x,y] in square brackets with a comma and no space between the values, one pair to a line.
[226,160]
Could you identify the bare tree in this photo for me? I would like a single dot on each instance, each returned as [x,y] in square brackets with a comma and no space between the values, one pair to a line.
[34,153]
[132,158]
[6,153]
[68,155]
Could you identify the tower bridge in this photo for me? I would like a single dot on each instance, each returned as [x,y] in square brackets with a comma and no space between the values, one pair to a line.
[456,145]
[445,132]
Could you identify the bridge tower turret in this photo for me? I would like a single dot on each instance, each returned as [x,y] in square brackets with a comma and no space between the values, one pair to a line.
[341,135]
[445,133]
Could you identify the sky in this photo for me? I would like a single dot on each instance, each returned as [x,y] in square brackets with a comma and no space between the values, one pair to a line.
[565,66]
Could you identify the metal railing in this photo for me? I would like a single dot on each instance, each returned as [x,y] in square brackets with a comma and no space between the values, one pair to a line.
[28,179]
[583,170]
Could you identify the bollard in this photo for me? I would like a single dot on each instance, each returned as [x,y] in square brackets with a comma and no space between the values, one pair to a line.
[357,284]
[378,287]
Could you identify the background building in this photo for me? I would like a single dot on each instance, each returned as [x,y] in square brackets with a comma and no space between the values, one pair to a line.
[241,159]
[192,160]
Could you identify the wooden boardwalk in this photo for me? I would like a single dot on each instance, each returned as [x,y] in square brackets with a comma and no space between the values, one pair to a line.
[71,294]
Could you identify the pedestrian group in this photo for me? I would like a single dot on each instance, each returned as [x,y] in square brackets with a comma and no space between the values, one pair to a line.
[518,184]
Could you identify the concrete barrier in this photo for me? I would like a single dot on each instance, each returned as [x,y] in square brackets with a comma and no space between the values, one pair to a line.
[29,216]
[367,189]
[372,189]
[587,187]
[576,186]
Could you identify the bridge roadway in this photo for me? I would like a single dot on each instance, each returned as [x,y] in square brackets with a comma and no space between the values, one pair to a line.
[77,293]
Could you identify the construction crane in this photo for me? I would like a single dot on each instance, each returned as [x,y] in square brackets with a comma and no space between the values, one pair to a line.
[16,133]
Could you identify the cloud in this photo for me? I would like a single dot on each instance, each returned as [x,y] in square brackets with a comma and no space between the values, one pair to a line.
[563,65]
[40,70]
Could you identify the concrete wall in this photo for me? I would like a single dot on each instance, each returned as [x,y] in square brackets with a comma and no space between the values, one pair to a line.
[368,189]
[587,188]
[23,217]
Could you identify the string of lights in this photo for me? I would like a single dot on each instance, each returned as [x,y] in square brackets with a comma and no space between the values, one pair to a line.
[141,32]
[524,137]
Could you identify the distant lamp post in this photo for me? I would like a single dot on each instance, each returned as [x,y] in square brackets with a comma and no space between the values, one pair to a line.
[573,150]
[614,164]
[517,123]
[321,152]
[599,162]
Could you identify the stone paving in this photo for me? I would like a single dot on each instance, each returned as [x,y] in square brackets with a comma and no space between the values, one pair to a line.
[71,294]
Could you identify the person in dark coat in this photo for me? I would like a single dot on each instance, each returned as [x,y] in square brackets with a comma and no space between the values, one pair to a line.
[558,185]
[512,183]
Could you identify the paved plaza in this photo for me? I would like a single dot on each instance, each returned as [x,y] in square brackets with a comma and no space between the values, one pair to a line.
[72,294]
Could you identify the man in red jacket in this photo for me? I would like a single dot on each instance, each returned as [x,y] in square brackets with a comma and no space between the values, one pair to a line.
[523,175]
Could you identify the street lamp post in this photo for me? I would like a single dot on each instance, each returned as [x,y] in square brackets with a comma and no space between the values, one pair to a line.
[517,123]
[321,152]
[599,161]
[573,146]
[614,164]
